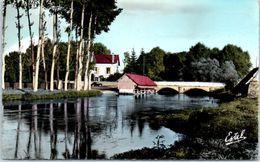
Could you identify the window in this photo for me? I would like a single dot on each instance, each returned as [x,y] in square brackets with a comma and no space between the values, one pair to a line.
[108,70]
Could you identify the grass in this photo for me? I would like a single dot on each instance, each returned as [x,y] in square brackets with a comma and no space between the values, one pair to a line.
[205,131]
[41,95]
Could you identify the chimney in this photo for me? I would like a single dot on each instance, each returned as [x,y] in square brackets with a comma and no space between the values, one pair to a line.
[113,58]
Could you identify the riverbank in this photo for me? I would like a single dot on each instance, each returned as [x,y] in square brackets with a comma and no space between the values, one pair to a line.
[205,131]
[28,94]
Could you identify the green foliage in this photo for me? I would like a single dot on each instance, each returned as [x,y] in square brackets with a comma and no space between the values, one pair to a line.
[103,12]
[99,48]
[12,61]
[154,64]
[198,51]
[200,63]
[131,63]
[240,58]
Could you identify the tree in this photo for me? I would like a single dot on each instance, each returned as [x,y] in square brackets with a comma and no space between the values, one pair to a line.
[81,51]
[198,51]
[87,69]
[100,15]
[69,45]
[154,63]
[140,63]
[29,5]
[12,70]
[240,58]
[40,39]
[18,5]
[173,63]
[206,70]
[99,48]
[126,59]
[131,65]
[229,74]
[55,11]
[3,42]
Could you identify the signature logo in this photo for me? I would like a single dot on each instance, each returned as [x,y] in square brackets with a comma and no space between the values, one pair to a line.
[235,137]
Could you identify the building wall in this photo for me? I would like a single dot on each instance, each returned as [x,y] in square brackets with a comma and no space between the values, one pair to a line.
[126,85]
[253,89]
[101,70]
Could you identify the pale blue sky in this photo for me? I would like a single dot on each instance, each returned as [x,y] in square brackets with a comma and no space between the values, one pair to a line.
[174,25]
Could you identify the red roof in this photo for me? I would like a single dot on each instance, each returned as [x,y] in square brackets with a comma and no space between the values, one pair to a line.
[107,58]
[141,80]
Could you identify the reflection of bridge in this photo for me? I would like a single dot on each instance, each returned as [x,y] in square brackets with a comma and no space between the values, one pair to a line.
[182,87]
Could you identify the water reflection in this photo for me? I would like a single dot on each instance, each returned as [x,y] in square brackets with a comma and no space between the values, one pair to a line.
[85,128]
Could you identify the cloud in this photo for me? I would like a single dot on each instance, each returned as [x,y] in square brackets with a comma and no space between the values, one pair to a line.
[165,6]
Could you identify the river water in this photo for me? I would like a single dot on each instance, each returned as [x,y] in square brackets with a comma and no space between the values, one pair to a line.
[86,128]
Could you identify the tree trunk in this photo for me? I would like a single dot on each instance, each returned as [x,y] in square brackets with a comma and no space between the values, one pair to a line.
[81,51]
[31,38]
[18,25]
[35,86]
[87,71]
[77,59]
[3,44]
[55,21]
[68,52]
[44,66]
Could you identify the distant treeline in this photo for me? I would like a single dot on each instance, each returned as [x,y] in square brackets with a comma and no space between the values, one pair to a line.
[200,63]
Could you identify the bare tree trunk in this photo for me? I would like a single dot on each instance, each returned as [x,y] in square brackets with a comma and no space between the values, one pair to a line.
[18,25]
[35,86]
[54,52]
[59,82]
[3,44]
[44,66]
[89,75]
[31,38]
[77,59]
[18,132]
[81,51]
[88,55]
[69,44]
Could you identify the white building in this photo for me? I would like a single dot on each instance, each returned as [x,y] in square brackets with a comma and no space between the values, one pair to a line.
[106,64]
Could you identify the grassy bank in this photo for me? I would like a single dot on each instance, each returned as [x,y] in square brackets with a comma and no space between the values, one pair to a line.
[45,94]
[205,131]
[217,122]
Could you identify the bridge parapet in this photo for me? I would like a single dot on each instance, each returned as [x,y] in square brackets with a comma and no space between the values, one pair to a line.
[182,87]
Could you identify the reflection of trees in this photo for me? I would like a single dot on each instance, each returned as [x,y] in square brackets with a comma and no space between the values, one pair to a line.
[82,139]
[35,127]
[18,132]
[43,119]
[66,154]
[53,134]
[112,110]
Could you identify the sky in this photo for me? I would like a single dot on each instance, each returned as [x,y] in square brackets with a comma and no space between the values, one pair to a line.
[173,25]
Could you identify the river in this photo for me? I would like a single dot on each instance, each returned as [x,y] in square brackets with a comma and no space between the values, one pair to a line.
[86,128]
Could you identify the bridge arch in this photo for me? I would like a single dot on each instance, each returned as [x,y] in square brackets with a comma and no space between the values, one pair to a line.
[167,91]
[196,92]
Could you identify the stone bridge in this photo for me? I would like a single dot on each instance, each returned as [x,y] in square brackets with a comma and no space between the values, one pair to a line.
[183,87]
